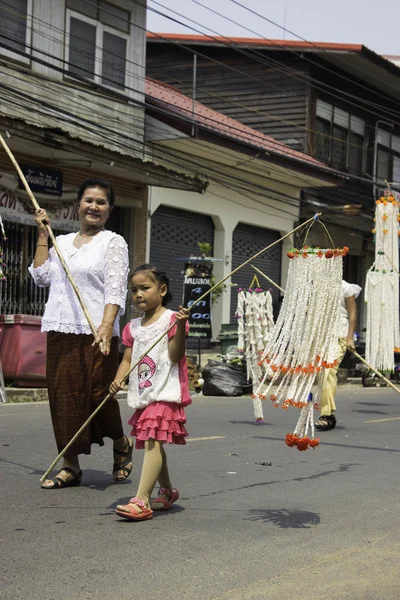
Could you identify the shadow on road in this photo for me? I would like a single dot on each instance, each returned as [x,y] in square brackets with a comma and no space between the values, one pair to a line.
[33,470]
[374,404]
[285,518]
[370,412]
[273,439]
[259,424]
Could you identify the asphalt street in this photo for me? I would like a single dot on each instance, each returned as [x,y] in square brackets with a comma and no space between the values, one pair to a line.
[322,524]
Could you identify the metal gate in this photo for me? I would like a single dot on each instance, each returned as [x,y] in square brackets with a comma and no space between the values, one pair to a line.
[174,234]
[247,241]
[18,292]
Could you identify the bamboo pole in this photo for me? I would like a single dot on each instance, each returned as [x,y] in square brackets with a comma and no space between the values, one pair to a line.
[52,237]
[268,279]
[125,377]
[375,371]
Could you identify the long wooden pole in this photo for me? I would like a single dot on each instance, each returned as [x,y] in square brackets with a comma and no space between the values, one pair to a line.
[268,279]
[375,371]
[52,237]
[125,377]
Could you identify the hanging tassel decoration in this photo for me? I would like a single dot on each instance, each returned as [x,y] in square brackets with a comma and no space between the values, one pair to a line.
[303,343]
[382,287]
[255,323]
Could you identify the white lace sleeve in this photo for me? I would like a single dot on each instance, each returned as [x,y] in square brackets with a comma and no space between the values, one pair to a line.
[116,272]
[41,275]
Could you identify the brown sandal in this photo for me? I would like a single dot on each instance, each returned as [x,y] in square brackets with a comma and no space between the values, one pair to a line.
[123,465]
[59,483]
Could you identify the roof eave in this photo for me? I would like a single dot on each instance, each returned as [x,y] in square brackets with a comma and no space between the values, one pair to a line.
[202,132]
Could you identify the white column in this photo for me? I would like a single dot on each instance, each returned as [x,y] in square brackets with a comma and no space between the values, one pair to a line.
[287,244]
[222,249]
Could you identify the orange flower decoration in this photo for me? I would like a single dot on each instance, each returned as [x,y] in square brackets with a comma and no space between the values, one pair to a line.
[328,254]
[291,440]
[314,443]
[304,255]
[374,231]
[378,202]
[303,444]
[320,254]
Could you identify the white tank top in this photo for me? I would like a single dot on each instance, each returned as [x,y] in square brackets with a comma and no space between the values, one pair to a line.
[155,378]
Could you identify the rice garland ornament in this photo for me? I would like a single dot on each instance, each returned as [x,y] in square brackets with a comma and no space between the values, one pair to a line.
[382,287]
[303,342]
[255,324]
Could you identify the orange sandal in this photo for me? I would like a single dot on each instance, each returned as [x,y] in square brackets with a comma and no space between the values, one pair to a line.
[173,495]
[128,512]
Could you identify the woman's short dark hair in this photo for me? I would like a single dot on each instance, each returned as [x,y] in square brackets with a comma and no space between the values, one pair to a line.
[159,276]
[100,183]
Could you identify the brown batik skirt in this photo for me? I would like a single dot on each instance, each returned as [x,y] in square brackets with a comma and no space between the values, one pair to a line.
[78,378]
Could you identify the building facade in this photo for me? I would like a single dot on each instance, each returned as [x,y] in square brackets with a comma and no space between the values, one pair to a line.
[336,102]
[72,102]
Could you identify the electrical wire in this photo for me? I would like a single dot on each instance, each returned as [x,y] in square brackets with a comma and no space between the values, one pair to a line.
[257,55]
[342,173]
[379,79]
[241,72]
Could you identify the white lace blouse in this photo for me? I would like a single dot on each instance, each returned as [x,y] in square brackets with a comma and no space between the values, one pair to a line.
[100,270]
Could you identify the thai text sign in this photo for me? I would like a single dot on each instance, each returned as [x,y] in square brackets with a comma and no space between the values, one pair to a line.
[197,282]
[42,180]
[64,216]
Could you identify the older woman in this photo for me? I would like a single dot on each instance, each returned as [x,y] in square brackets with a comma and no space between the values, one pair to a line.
[79,368]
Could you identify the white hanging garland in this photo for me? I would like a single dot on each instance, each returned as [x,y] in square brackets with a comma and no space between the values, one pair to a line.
[382,288]
[303,342]
[255,323]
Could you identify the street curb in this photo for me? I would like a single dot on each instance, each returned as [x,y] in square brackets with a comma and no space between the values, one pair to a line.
[29,395]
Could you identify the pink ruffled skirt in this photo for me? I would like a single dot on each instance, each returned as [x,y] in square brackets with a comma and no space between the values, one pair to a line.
[162,421]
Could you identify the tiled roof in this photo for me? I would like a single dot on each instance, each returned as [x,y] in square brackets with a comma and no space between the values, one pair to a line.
[183,37]
[221,124]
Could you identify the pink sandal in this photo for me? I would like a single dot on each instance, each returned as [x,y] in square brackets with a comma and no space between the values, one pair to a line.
[173,495]
[131,513]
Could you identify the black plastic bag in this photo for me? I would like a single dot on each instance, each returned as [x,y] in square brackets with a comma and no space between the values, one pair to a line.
[223,379]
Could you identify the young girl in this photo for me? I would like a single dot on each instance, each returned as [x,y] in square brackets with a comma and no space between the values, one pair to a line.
[158,387]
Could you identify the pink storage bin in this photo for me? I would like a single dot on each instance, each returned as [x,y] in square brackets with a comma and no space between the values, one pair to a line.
[23,350]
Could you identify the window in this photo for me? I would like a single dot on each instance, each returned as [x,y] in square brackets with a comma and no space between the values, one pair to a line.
[15,28]
[97,41]
[339,138]
[388,157]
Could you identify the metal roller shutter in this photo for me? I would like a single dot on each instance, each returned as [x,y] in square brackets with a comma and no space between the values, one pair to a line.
[174,234]
[247,241]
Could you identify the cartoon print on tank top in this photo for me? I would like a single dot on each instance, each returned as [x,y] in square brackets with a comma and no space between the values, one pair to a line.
[146,370]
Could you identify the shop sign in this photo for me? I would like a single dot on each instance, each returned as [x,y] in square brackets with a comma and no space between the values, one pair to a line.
[42,180]
[64,216]
[198,281]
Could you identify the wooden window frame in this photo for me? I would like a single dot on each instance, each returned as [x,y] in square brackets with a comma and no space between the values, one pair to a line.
[345,126]
[4,52]
[98,58]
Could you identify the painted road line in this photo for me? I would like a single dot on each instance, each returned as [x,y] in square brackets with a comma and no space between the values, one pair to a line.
[203,439]
[383,420]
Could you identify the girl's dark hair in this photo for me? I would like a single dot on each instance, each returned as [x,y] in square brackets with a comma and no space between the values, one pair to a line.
[100,183]
[159,276]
